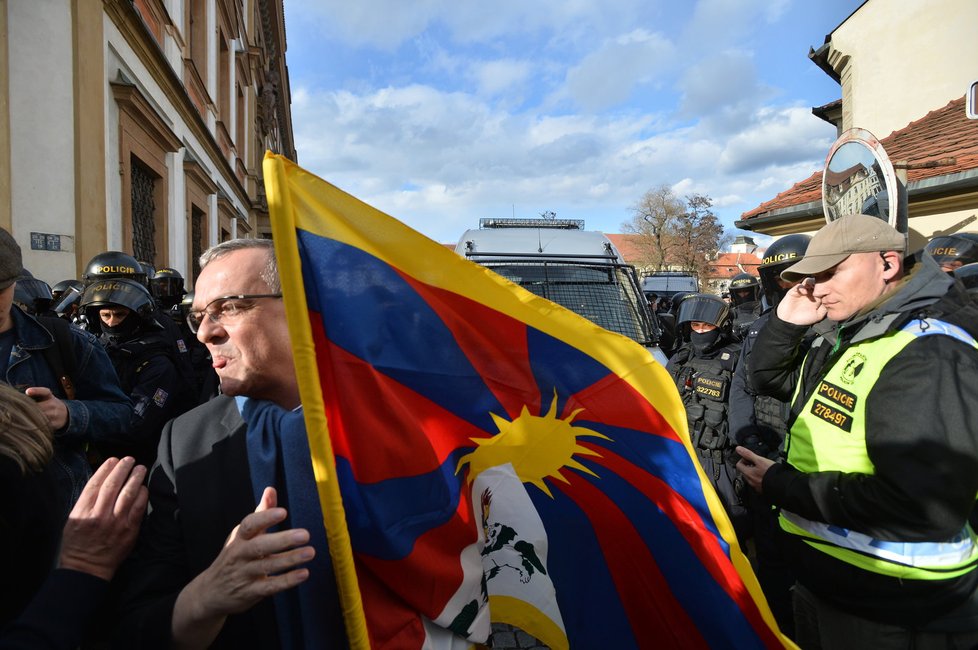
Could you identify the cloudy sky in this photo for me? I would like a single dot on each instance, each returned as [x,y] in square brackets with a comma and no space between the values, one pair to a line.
[440,112]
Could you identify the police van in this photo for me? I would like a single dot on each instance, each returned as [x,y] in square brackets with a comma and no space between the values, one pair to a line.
[666,284]
[560,261]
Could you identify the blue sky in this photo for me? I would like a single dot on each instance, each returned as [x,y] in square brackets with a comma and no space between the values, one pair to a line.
[442,112]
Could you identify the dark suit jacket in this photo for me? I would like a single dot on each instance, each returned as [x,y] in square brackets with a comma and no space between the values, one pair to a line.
[200,489]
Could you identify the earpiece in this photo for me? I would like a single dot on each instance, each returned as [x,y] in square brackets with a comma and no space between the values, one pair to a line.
[886,265]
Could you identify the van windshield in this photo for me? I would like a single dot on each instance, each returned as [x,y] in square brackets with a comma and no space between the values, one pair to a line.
[604,294]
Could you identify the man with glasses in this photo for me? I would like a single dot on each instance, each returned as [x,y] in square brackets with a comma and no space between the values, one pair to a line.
[212,569]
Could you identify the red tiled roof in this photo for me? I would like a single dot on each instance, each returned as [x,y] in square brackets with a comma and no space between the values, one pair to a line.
[627,246]
[943,133]
[727,265]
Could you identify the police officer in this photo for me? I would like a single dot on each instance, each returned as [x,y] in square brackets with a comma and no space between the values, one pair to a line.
[116,264]
[745,296]
[953,251]
[760,423]
[702,369]
[166,285]
[65,296]
[143,359]
[881,467]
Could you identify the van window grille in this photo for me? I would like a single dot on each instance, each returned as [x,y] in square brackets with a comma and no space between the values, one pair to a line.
[605,294]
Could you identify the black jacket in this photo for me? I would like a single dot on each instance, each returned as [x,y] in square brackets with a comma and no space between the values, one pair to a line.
[200,489]
[920,436]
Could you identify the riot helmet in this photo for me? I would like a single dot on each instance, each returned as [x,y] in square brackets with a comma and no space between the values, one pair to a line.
[186,303]
[59,289]
[122,292]
[953,251]
[779,256]
[676,299]
[33,295]
[704,308]
[148,269]
[744,288]
[968,274]
[166,285]
[113,264]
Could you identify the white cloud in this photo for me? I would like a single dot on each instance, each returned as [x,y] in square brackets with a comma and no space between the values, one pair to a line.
[608,75]
[777,138]
[501,75]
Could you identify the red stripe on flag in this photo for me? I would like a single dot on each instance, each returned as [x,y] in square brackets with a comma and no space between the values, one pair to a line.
[374,416]
[496,348]
[701,540]
[615,402]
[657,619]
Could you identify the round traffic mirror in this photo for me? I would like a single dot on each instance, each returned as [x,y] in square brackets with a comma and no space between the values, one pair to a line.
[859,178]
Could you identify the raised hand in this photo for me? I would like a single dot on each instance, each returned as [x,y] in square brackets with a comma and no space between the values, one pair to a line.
[102,527]
[800,306]
[254,564]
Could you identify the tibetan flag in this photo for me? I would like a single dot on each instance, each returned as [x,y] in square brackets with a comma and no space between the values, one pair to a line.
[484,455]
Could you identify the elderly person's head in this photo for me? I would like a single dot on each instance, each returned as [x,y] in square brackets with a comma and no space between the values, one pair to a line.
[853,261]
[238,313]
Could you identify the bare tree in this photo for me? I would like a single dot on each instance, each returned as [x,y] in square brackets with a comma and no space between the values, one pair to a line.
[653,218]
[698,235]
[676,232]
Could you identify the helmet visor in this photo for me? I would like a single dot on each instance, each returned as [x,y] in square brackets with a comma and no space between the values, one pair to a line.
[703,309]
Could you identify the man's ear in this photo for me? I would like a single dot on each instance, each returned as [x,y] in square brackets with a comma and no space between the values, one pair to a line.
[891,264]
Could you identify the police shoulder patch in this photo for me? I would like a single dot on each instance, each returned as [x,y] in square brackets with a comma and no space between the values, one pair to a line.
[160,397]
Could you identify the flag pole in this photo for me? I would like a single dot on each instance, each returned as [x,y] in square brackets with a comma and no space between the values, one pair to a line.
[307,374]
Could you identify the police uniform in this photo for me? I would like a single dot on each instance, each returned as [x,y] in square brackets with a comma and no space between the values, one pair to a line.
[157,389]
[882,461]
[702,369]
[144,360]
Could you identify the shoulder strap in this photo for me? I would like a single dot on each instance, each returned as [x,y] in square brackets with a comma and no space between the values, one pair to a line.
[60,356]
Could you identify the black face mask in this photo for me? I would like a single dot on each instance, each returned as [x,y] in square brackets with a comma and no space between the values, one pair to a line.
[703,342]
[123,331]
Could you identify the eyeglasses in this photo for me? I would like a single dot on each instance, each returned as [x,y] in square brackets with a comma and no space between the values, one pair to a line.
[225,309]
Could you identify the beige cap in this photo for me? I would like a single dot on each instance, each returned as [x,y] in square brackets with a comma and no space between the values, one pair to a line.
[837,240]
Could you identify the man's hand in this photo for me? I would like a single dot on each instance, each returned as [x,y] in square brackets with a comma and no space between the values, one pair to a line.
[800,306]
[53,408]
[103,526]
[254,564]
[753,467]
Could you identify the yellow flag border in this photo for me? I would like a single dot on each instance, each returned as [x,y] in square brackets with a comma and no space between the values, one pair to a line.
[310,392]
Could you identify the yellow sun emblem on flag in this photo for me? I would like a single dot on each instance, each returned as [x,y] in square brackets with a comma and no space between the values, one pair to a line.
[537,447]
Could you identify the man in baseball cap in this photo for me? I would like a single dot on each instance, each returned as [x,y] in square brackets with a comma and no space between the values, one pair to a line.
[881,463]
[849,264]
[11,263]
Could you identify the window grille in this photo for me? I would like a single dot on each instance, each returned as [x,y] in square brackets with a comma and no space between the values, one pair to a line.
[605,294]
[143,218]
